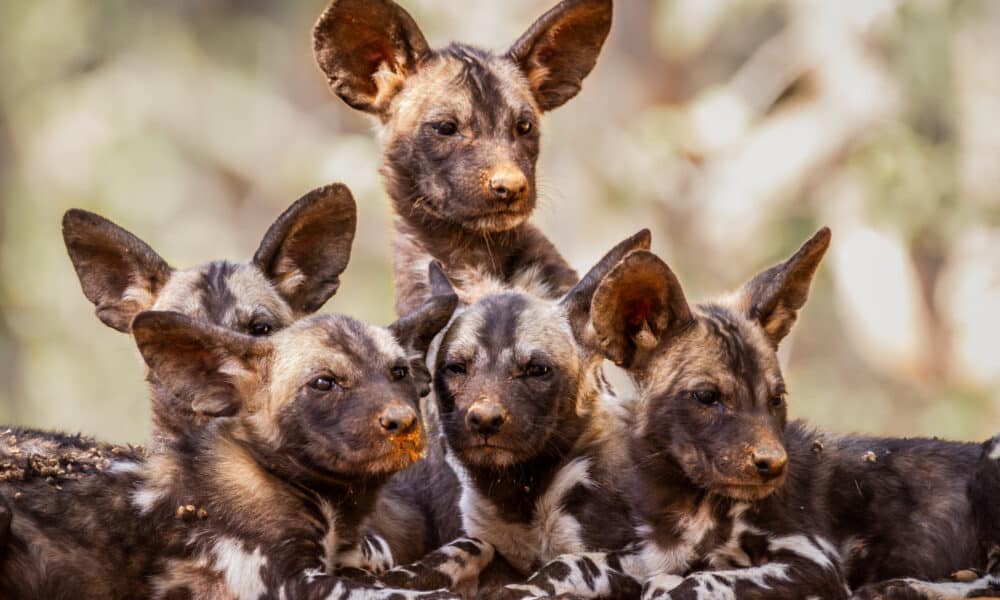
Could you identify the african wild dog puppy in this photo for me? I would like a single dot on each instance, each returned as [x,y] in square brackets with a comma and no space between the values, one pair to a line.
[256,505]
[533,434]
[750,508]
[713,486]
[294,272]
[459,129]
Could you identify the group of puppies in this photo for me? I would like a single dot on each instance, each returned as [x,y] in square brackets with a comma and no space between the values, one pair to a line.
[474,446]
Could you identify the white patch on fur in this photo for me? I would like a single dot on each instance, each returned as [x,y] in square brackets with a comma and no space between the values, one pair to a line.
[379,557]
[552,532]
[240,569]
[995,452]
[662,582]
[576,583]
[124,466]
[804,547]
[462,566]
[653,559]
[756,576]
[731,554]
[147,497]
[310,576]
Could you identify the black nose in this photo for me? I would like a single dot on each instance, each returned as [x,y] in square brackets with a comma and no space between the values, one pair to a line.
[397,419]
[770,462]
[486,418]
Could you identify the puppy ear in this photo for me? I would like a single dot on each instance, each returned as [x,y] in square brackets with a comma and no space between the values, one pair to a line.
[118,272]
[367,48]
[417,330]
[202,366]
[636,307]
[308,247]
[774,297]
[578,300]
[560,49]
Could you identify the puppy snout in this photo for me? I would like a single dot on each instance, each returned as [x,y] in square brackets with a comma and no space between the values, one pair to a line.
[508,183]
[770,462]
[486,418]
[397,419]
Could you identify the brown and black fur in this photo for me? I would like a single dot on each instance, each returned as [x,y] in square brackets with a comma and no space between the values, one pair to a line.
[531,434]
[249,505]
[733,502]
[460,137]
[294,271]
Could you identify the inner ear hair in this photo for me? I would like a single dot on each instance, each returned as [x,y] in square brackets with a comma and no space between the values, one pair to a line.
[561,48]
[636,307]
[308,247]
[774,297]
[365,47]
[119,273]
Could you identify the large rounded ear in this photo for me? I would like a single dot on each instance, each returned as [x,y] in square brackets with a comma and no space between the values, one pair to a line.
[774,297]
[417,330]
[577,301]
[118,272]
[202,366]
[560,49]
[367,48]
[308,247]
[636,307]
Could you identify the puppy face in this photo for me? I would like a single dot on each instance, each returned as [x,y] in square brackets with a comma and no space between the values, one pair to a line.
[516,376]
[461,142]
[507,379]
[340,398]
[716,407]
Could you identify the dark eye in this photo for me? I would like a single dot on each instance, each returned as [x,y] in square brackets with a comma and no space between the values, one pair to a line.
[777,401]
[399,373]
[260,328]
[524,127]
[456,368]
[322,384]
[706,397]
[536,370]
[446,128]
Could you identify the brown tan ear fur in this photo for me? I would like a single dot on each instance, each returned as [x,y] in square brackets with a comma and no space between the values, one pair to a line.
[774,297]
[560,49]
[119,273]
[366,48]
[305,251]
[577,301]
[204,366]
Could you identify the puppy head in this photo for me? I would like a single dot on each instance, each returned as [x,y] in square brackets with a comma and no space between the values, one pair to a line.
[328,395]
[711,389]
[515,377]
[460,126]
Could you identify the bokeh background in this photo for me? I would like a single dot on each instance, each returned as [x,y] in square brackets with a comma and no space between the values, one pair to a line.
[732,128]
